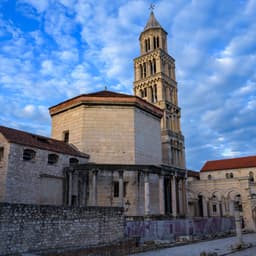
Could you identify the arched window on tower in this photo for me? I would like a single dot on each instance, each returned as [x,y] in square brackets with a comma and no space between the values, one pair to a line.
[145,92]
[141,93]
[154,42]
[151,94]
[155,93]
[144,70]
[154,66]
[151,67]
[157,42]
[141,71]
[146,45]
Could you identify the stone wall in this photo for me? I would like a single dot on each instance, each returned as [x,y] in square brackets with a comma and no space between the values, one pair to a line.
[112,134]
[34,181]
[31,228]
[148,148]
[3,165]
[172,230]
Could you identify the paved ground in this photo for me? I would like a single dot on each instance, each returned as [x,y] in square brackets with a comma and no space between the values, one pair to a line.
[221,246]
[247,252]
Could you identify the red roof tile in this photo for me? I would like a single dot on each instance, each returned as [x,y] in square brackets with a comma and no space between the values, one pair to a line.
[233,163]
[106,98]
[37,141]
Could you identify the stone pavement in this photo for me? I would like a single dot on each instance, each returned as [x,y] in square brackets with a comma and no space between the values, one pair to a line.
[221,246]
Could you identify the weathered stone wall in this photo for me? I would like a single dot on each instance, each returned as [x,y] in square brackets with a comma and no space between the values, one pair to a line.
[71,120]
[111,134]
[3,165]
[225,190]
[171,230]
[31,228]
[148,149]
[34,181]
[221,174]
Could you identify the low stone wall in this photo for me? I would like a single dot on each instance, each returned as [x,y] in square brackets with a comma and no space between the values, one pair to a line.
[178,229]
[33,228]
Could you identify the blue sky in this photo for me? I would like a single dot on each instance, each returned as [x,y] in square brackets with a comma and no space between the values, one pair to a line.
[54,50]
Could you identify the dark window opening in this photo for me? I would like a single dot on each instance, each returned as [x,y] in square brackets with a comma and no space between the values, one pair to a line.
[200,206]
[73,160]
[1,154]
[141,71]
[66,136]
[214,208]
[28,154]
[209,177]
[251,176]
[53,158]
[145,92]
[116,189]
[154,66]
[144,70]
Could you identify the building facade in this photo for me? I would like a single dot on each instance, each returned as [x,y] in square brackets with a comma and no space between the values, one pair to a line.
[223,185]
[31,167]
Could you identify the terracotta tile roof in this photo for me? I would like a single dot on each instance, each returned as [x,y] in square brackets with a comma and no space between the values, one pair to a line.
[37,141]
[233,163]
[106,98]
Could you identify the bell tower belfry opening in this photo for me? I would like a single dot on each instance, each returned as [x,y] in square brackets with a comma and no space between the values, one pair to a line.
[155,81]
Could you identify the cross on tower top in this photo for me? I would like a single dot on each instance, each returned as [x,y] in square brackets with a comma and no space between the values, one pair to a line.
[152,7]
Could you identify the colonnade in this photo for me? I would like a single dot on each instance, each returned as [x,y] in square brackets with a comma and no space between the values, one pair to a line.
[77,190]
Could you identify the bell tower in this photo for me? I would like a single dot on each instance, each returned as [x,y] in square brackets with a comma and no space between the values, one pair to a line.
[155,81]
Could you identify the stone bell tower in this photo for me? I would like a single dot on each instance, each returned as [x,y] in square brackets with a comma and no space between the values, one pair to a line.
[155,82]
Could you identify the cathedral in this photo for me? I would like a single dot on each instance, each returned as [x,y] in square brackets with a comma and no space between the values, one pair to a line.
[135,143]
[107,148]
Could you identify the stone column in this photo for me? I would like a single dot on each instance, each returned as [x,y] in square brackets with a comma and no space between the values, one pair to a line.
[185,199]
[146,194]
[70,188]
[84,190]
[121,188]
[161,194]
[231,207]
[94,187]
[181,197]
[238,224]
[205,207]
[174,202]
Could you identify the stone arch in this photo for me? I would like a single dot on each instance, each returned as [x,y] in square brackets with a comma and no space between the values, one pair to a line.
[232,193]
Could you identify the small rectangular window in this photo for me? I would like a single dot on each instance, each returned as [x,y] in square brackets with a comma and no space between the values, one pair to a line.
[28,154]
[52,159]
[1,153]
[116,189]
[66,136]
[214,208]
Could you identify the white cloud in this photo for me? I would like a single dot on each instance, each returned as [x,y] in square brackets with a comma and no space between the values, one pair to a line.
[39,5]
